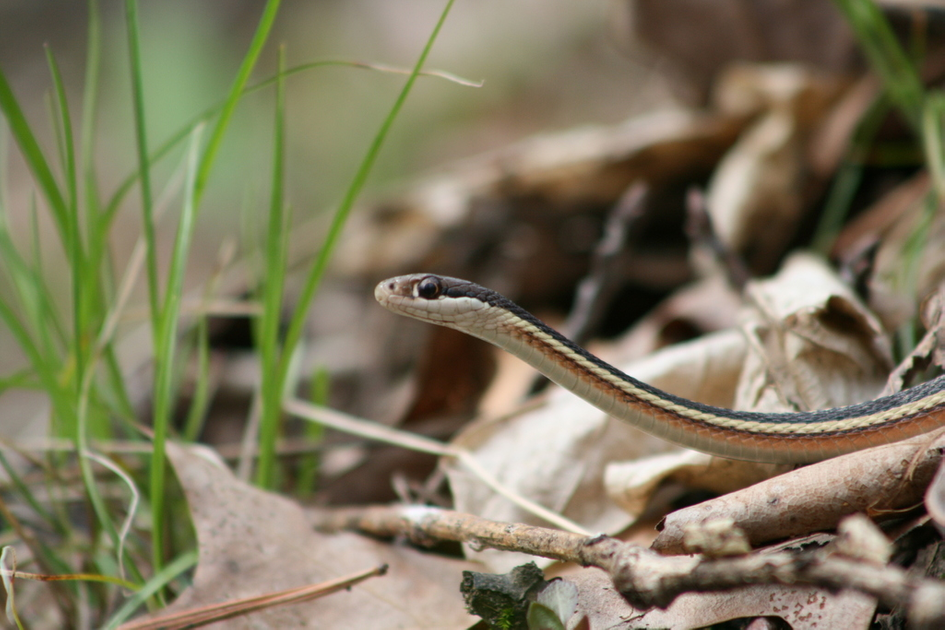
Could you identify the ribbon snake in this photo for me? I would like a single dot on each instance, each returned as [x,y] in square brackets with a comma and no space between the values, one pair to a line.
[769,437]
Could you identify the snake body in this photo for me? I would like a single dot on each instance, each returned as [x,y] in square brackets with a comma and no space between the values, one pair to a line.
[766,437]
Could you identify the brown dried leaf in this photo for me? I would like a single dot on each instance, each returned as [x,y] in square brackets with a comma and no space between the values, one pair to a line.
[253,542]
[708,305]
[755,196]
[831,142]
[864,231]
[814,346]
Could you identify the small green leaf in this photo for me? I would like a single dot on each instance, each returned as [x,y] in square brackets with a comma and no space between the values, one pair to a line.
[541,617]
[561,597]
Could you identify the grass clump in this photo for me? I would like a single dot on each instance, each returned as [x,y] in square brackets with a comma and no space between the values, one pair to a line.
[70,346]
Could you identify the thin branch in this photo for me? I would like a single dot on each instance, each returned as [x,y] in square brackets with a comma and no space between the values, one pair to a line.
[597,288]
[644,577]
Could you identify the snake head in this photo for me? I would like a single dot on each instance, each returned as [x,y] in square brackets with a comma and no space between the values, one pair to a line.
[431,298]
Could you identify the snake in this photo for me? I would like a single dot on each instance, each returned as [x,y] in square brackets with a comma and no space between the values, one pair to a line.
[783,437]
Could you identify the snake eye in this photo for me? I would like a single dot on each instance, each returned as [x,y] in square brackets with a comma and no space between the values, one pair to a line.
[428,288]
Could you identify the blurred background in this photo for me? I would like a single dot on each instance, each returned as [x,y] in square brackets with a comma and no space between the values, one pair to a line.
[543,64]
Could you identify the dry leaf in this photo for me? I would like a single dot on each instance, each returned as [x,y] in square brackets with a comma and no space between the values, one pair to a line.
[818,346]
[929,351]
[833,138]
[253,542]
[935,495]
[755,196]
[864,231]
[813,341]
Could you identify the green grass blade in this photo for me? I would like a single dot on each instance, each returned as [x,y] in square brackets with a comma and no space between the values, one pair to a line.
[308,467]
[160,580]
[47,376]
[165,346]
[38,318]
[273,281]
[847,180]
[312,281]
[24,491]
[236,91]
[33,155]
[66,141]
[93,63]
[81,282]
[144,165]
[168,320]
[932,140]
[887,57]
[21,379]
[193,425]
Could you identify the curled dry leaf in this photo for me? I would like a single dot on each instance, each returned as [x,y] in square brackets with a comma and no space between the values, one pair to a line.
[815,498]
[557,454]
[818,346]
[252,542]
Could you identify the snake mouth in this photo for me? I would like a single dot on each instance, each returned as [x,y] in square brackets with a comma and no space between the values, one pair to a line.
[394,293]
[386,290]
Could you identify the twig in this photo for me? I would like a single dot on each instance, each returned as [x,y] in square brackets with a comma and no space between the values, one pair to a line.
[595,290]
[645,578]
[373,431]
[700,230]
[212,613]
